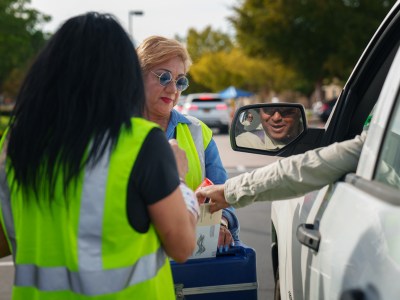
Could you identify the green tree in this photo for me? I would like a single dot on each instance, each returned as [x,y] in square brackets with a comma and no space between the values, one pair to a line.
[199,43]
[317,39]
[20,37]
[218,63]
[219,70]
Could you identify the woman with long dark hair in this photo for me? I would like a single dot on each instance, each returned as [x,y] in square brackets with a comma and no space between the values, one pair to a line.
[89,207]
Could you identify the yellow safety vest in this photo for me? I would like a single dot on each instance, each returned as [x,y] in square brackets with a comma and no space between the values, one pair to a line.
[194,139]
[88,249]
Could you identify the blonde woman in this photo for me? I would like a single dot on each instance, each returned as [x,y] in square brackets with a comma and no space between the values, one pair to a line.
[165,63]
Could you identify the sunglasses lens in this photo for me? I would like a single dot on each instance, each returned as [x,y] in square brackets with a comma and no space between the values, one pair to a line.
[165,78]
[268,110]
[282,111]
[182,83]
[288,112]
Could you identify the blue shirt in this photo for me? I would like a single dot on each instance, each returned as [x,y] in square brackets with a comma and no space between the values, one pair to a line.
[213,165]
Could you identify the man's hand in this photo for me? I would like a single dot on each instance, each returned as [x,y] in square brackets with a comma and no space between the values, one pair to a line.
[216,194]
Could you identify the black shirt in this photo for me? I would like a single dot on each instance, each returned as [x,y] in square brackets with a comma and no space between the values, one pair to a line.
[154,176]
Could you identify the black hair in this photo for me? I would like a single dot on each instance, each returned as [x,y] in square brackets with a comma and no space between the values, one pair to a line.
[82,89]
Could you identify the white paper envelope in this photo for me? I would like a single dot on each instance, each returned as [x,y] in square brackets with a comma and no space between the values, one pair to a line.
[207,232]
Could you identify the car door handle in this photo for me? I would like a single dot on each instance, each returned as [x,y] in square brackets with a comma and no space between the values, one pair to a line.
[354,294]
[309,236]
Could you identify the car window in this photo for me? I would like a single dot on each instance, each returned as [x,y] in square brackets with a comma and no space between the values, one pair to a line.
[388,168]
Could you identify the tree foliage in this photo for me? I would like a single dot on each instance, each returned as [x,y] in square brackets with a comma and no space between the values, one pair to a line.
[20,38]
[207,41]
[317,39]
[221,69]
[218,63]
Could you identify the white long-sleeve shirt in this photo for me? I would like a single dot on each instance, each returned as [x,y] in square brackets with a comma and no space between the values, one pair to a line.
[296,175]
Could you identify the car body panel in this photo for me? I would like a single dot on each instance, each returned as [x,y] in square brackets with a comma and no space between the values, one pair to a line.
[359,249]
[362,258]
[371,244]
[365,256]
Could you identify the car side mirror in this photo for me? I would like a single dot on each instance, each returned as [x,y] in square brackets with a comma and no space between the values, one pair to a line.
[267,128]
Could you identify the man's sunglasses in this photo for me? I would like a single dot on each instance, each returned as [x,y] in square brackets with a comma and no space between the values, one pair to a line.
[284,112]
[182,83]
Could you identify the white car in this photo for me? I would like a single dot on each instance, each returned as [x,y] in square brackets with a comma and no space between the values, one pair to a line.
[343,241]
[179,104]
[209,108]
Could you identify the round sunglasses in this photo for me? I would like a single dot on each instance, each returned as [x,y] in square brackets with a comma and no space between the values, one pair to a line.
[284,112]
[182,83]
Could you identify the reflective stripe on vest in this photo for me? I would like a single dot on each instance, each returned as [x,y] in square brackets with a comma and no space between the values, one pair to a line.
[89,283]
[193,139]
[197,135]
[91,279]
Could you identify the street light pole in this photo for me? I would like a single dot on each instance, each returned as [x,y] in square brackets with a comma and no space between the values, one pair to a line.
[130,15]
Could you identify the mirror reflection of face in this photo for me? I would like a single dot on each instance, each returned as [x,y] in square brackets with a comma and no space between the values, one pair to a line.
[280,123]
[247,118]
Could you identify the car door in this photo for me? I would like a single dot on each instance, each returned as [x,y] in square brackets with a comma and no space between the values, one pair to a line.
[347,119]
[356,227]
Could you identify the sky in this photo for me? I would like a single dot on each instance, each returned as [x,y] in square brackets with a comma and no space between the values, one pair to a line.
[160,17]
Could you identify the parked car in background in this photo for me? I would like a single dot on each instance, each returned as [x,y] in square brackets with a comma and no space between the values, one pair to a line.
[343,241]
[179,104]
[209,108]
[326,109]
[322,109]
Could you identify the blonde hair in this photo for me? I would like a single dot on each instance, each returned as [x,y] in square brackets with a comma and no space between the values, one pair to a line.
[156,50]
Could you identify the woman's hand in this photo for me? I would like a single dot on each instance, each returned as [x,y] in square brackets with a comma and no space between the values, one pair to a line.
[225,239]
[180,157]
